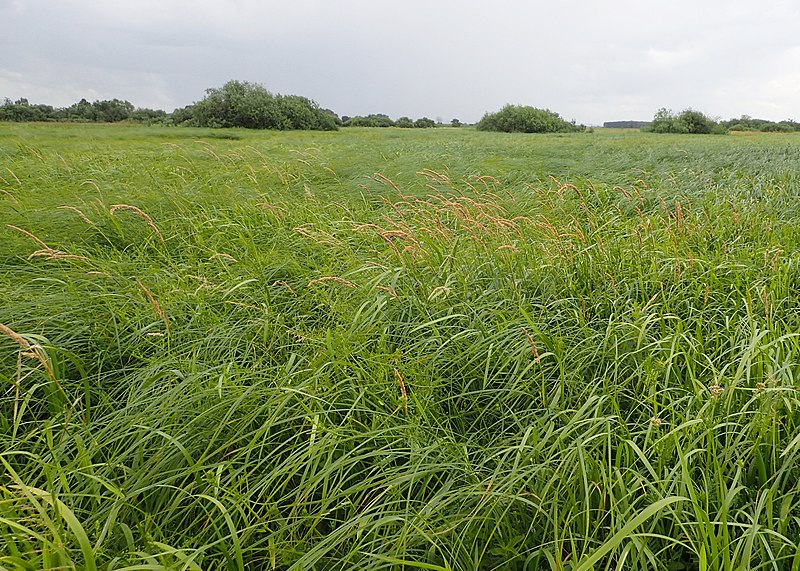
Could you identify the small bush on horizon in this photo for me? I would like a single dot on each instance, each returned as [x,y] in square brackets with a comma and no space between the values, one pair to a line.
[688,121]
[526,119]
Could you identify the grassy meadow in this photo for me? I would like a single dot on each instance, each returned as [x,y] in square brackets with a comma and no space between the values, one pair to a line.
[392,349]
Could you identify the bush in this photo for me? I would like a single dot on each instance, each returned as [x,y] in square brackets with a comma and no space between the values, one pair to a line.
[687,121]
[523,119]
[377,120]
[249,105]
[747,123]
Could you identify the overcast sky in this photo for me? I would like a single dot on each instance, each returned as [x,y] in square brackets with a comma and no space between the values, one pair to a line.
[591,61]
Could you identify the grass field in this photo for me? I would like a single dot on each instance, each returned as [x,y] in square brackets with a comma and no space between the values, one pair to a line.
[398,349]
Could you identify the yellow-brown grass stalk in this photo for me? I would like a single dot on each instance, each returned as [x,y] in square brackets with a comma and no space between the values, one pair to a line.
[78,212]
[159,311]
[141,214]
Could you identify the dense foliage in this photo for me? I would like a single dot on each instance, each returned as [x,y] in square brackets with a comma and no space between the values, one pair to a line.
[373,120]
[687,121]
[747,123]
[105,111]
[251,106]
[448,350]
[382,120]
[524,119]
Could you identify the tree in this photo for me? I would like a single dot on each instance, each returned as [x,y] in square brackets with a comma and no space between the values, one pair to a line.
[250,105]
[687,121]
[376,120]
[148,116]
[424,123]
[456,123]
[112,111]
[80,111]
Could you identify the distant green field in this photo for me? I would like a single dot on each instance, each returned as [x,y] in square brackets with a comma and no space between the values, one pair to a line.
[398,349]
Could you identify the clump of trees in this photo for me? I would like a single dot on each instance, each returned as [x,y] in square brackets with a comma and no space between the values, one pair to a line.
[373,120]
[688,121]
[250,105]
[381,120]
[106,111]
[747,123]
[525,119]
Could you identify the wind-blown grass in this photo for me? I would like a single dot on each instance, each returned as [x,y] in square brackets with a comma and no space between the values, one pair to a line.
[360,350]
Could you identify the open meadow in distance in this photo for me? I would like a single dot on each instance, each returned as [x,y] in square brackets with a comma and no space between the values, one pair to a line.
[393,349]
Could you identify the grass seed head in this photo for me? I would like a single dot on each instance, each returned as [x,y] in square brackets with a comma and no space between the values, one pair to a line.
[140,213]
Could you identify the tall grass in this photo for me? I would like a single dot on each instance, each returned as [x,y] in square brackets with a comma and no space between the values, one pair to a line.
[358,350]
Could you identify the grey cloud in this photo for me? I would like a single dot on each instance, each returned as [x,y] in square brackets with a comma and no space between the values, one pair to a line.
[591,61]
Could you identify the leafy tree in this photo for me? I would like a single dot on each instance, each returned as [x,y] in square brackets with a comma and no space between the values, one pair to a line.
[424,123]
[112,111]
[404,122]
[687,121]
[696,122]
[183,116]
[302,113]
[456,123]
[80,111]
[747,123]
[525,119]
[22,110]
[107,111]
[250,105]
[148,116]
[376,120]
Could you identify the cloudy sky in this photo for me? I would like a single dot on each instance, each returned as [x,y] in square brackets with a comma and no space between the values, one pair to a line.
[591,61]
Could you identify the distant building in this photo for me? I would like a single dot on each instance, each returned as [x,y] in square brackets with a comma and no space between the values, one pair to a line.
[625,124]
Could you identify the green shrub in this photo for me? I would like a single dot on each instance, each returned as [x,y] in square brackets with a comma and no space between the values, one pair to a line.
[376,120]
[250,105]
[525,119]
[687,121]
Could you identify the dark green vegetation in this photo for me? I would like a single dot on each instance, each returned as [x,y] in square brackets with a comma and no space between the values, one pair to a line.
[398,349]
[235,104]
[381,120]
[107,111]
[525,119]
[687,121]
[747,123]
[249,105]
[695,122]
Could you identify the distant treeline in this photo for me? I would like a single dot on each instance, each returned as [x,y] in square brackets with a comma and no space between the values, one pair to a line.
[381,120]
[747,123]
[251,106]
[690,121]
[235,104]
[110,111]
